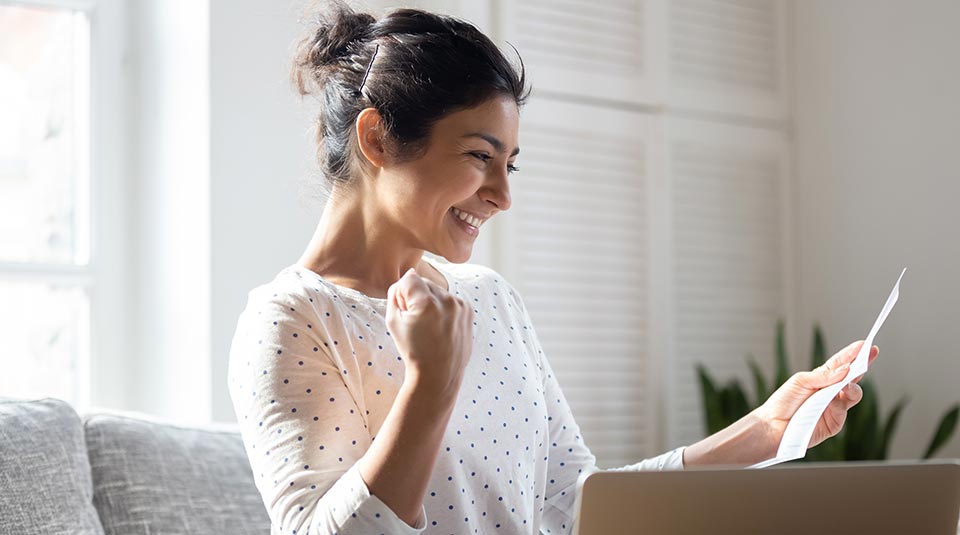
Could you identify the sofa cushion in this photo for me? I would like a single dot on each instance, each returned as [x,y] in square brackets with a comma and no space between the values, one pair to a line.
[45,484]
[153,477]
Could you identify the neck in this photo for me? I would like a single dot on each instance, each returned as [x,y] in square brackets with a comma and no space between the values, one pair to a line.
[353,247]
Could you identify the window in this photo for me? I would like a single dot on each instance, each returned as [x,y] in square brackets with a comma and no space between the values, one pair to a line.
[45,191]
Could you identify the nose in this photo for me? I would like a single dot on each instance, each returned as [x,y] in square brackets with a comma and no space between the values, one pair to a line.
[497,191]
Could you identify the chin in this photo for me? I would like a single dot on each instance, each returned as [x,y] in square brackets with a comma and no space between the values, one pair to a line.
[456,255]
[459,258]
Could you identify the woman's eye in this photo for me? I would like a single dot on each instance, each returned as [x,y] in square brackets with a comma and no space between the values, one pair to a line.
[484,157]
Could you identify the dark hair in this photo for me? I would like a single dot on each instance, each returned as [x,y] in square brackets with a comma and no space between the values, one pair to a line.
[426,66]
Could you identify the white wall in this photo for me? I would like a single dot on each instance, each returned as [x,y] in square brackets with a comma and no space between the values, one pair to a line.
[878,134]
[169,297]
[261,154]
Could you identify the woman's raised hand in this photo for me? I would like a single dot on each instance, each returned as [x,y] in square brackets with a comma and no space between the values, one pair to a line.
[433,331]
[785,401]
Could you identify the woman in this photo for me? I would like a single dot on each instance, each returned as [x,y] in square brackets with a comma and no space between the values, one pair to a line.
[381,391]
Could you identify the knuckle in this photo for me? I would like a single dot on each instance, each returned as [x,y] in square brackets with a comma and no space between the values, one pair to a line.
[433,301]
[447,304]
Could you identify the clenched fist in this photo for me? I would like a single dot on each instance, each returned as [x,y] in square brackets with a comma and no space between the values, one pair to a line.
[433,331]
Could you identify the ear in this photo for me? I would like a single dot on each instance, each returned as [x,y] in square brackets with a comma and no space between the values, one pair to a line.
[370,134]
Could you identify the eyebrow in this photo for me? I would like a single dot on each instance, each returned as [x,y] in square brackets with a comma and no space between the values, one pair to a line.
[497,144]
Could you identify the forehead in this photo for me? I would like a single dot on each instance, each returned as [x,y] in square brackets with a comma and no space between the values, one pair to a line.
[498,117]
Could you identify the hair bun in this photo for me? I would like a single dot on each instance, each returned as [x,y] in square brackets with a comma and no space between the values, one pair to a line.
[331,40]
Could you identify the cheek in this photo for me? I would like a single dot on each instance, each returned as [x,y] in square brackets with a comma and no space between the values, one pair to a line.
[427,192]
[449,190]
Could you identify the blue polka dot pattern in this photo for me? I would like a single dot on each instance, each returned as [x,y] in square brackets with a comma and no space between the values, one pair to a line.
[313,373]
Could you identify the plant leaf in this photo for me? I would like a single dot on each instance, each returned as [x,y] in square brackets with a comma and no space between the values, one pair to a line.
[759,383]
[819,348]
[783,369]
[712,409]
[890,427]
[736,405]
[947,425]
[863,425]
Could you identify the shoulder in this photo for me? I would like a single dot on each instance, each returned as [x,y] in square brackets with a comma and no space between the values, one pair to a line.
[294,305]
[295,313]
[475,278]
[291,293]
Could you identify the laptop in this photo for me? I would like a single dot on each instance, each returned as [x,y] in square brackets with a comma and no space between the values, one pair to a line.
[908,497]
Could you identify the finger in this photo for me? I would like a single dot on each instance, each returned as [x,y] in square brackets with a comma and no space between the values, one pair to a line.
[848,396]
[821,377]
[434,288]
[393,305]
[400,298]
[440,294]
[392,294]
[851,395]
[844,356]
[874,351]
[411,291]
[834,417]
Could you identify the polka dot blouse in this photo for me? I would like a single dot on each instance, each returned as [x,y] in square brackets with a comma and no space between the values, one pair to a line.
[313,372]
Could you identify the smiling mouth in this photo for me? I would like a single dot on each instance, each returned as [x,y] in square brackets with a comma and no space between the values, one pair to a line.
[470,219]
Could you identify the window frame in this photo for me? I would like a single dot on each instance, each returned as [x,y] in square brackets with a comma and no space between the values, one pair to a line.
[100,368]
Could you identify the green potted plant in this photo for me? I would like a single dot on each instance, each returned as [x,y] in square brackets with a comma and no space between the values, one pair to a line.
[865,436]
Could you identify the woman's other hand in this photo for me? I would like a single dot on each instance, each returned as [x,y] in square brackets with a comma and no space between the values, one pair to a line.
[433,331]
[756,437]
[785,401]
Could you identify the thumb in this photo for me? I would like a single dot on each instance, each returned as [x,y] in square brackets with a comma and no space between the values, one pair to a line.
[411,290]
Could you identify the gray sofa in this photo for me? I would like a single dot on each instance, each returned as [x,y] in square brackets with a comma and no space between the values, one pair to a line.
[121,473]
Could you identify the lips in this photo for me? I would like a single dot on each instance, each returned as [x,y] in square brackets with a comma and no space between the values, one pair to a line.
[461,223]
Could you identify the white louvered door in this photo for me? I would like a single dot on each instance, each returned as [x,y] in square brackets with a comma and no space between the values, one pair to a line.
[727,56]
[575,245]
[588,48]
[730,258]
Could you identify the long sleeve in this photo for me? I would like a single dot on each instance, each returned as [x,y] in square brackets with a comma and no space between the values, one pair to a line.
[302,424]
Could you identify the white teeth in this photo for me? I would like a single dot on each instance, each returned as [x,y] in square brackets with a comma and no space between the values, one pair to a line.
[476,222]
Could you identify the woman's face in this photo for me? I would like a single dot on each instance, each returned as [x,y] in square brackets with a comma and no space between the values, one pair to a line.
[441,200]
